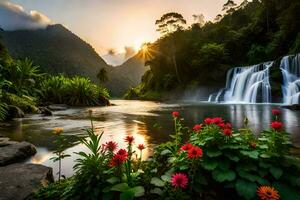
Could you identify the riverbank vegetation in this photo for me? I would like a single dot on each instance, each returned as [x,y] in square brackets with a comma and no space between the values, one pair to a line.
[24,88]
[200,55]
[214,162]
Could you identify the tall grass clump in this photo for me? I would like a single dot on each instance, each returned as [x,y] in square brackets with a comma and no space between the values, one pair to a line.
[76,91]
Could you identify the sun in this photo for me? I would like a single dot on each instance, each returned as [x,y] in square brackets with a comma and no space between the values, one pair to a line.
[139,45]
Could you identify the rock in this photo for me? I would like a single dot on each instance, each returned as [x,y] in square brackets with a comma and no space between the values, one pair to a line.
[58,107]
[15,112]
[45,111]
[292,107]
[11,151]
[104,101]
[20,181]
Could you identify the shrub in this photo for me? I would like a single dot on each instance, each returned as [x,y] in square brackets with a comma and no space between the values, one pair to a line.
[76,91]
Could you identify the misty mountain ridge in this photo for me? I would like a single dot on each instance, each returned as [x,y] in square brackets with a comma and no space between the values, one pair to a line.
[59,51]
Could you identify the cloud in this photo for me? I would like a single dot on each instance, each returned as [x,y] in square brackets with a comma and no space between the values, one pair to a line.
[129,52]
[14,17]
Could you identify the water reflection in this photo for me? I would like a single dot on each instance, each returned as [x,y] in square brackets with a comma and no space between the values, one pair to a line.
[149,122]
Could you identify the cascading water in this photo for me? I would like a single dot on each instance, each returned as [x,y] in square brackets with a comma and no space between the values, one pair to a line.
[246,85]
[290,67]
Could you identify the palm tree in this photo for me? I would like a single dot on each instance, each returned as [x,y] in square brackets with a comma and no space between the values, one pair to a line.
[102,75]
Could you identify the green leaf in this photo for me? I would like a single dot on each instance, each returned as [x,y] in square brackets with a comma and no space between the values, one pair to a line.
[157,182]
[127,195]
[233,157]
[156,191]
[251,154]
[246,189]
[120,187]
[209,164]
[138,191]
[287,192]
[113,180]
[221,175]
[214,153]
[276,172]
[165,152]
[166,178]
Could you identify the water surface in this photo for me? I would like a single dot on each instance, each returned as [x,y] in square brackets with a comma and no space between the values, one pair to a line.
[149,122]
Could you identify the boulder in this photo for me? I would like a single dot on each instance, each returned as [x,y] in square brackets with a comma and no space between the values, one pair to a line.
[15,112]
[20,181]
[58,107]
[45,111]
[11,151]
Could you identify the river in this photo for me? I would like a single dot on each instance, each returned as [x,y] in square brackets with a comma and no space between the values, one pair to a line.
[149,122]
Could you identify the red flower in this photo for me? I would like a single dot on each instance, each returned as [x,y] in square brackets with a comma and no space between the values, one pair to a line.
[208,121]
[225,125]
[111,146]
[227,132]
[175,114]
[186,147]
[195,152]
[129,139]
[141,147]
[122,152]
[276,112]
[217,120]
[117,160]
[179,180]
[197,127]
[276,125]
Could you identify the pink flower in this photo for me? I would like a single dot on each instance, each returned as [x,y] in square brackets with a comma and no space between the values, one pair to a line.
[141,147]
[195,152]
[175,114]
[129,139]
[276,112]
[227,132]
[276,125]
[197,127]
[179,180]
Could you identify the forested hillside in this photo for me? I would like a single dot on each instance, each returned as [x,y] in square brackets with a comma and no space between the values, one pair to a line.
[201,54]
[59,51]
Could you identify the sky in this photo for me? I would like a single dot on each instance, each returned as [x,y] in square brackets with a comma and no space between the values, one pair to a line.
[116,24]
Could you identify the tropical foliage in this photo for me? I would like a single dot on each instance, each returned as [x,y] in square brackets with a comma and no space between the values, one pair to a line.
[75,91]
[22,85]
[250,33]
[216,162]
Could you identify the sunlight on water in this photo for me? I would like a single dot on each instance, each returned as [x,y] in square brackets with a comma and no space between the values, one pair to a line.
[149,122]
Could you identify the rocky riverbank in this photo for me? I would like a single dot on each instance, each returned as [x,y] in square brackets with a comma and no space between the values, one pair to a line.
[19,180]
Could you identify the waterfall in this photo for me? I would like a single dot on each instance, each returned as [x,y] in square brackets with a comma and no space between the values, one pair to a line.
[246,85]
[290,67]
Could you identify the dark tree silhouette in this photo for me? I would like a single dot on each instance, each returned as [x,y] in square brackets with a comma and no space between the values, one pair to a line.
[102,75]
[170,22]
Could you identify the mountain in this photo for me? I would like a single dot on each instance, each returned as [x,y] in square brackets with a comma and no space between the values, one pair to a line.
[59,51]
[55,49]
[127,75]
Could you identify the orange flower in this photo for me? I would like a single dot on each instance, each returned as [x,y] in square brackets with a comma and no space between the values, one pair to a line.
[58,131]
[267,193]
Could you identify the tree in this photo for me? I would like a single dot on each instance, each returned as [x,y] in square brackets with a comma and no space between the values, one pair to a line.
[229,7]
[102,75]
[170,22]
[199,20]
